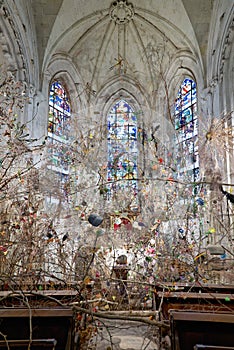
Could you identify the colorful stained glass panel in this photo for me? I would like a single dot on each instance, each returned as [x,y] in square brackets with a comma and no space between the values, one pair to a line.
[59,127]
[186,124]
[122,147]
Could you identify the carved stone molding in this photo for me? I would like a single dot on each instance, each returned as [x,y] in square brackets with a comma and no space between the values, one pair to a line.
[227,42]
[121,11]
[213,82]
[10,41]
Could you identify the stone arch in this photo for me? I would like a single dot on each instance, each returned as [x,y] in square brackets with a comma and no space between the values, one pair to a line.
[219,58]
[17,53]
[61,67]
[220,76]
[126,88]
[226,69]
[183,65]
[129,90]
[18,50]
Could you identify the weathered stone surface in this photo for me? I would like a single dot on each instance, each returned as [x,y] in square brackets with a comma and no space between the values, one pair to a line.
[123,335]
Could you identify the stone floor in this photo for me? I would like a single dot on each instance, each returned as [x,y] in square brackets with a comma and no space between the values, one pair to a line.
[123,335]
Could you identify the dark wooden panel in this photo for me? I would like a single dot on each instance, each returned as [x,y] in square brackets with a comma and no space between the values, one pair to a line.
[210,347]
[192,328]
[45,323]
[202,317]
[59,312]
[36,344]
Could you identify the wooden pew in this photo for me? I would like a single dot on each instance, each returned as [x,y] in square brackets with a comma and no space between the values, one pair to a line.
[189,329]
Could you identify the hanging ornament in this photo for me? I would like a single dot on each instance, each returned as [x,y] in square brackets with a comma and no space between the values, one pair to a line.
[118,221]
[100,232]
[141,224]
[211,230]
[95,220]
[200,201]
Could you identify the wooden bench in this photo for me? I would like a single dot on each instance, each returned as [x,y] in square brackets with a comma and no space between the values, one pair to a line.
[52,328]
[212,347]
[191,329]
[36,344]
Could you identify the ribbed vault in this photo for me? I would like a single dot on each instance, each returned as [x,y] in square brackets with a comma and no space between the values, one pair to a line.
[110,39]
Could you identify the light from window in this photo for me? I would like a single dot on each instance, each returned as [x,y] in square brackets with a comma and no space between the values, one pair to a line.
[122,148]
[59,129]
[59,111]
[186,125]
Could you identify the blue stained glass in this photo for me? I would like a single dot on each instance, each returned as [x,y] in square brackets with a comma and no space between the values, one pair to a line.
[186,86]
[187,114]
[59,111]
[186,125]
[194,95]
[177,105]
[186,101]
[122,147]
[59,126]
[58,97]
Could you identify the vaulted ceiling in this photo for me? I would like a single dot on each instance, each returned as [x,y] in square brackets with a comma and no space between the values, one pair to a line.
[46,12]
[140,37]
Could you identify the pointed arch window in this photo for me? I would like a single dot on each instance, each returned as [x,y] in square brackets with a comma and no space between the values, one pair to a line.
[186,125]
[59,111]
[59,127]
[122,148]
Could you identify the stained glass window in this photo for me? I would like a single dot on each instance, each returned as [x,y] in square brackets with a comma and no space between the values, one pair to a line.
[59,129]
[122,148]
[186,125]
[59,111]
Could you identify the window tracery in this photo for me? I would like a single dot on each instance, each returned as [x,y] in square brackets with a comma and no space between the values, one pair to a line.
[122,148]
[186,126]
[59,130]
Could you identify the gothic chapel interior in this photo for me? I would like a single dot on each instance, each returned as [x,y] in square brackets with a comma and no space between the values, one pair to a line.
[117,153]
